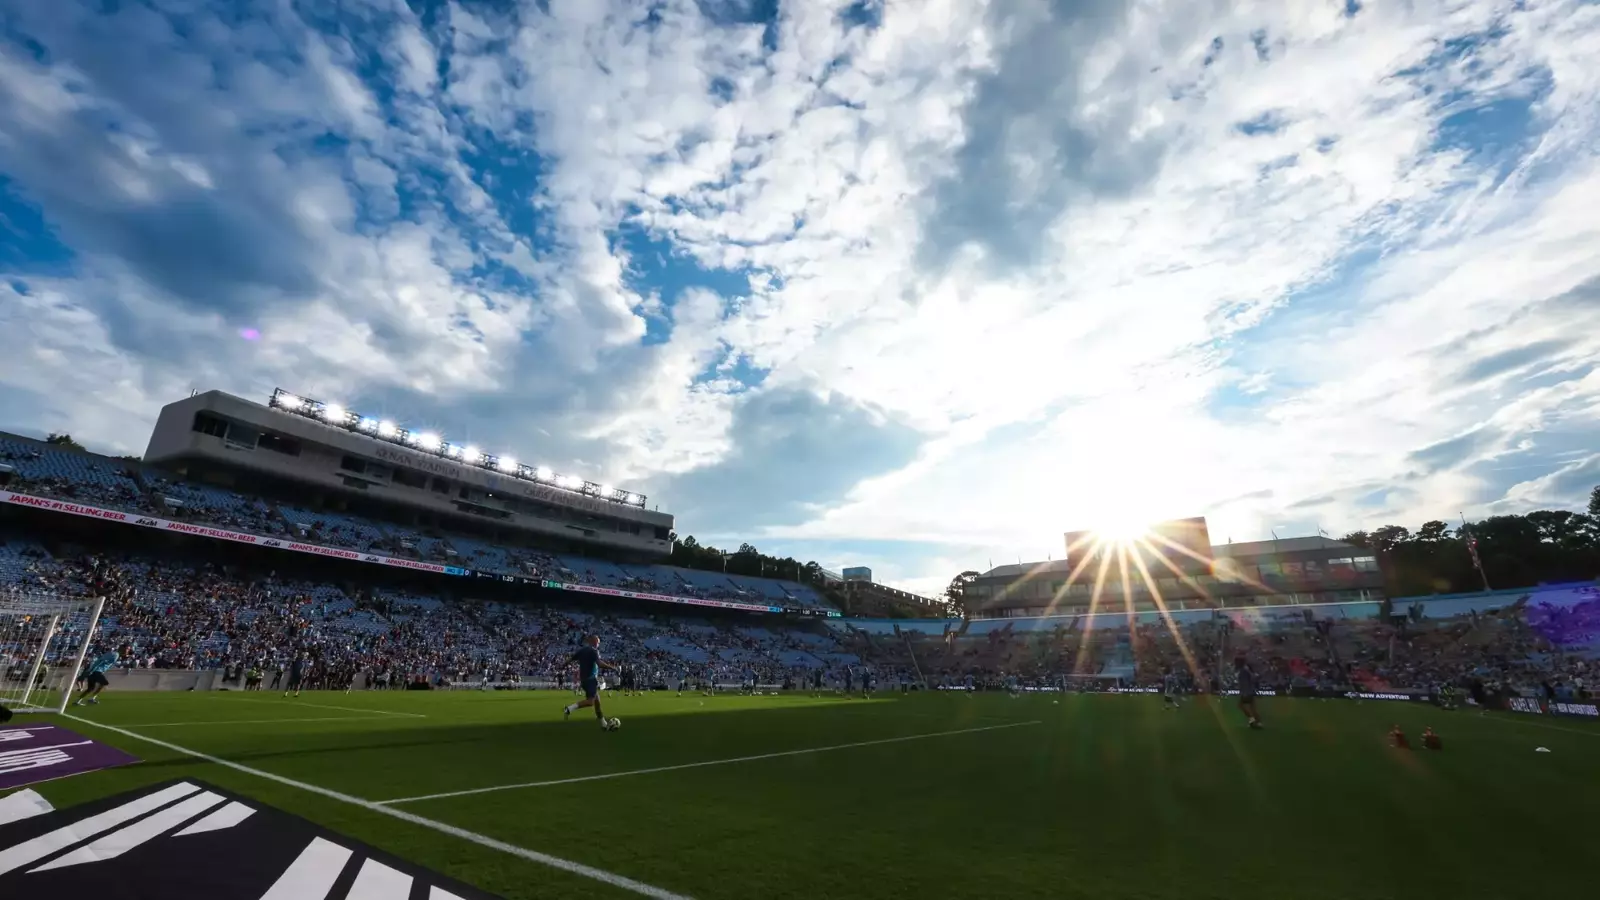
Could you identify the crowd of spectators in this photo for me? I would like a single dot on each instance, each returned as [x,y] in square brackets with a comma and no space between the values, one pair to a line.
[188,615]
[76,478]
[197,615]
[1547,651]
[50,471]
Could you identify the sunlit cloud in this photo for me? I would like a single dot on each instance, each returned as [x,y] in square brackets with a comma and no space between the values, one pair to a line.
[921,284]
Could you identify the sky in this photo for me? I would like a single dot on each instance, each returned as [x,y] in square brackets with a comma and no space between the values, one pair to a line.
[913,285]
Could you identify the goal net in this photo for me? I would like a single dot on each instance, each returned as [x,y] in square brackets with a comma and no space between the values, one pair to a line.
[43,640]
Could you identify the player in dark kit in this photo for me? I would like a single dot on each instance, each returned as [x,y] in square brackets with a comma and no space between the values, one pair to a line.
[1246,678]
[589,666]
[297,673]
[1169,690]
[93,677]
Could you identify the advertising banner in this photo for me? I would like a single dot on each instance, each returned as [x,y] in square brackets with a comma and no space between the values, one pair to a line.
[47,752]
[1535,707]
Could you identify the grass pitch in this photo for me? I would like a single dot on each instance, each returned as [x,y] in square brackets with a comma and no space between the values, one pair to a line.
[957,796]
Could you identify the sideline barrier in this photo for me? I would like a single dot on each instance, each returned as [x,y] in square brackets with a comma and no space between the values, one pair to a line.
[154,679]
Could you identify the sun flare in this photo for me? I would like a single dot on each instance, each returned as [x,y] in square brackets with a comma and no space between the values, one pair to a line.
[1116,530]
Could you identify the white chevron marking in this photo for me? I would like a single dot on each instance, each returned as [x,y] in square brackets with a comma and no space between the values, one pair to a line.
[226,817]
[312,875]
[379,882]
[119,842]
[67,835]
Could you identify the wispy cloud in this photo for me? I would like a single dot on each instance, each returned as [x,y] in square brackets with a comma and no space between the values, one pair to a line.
[958,276]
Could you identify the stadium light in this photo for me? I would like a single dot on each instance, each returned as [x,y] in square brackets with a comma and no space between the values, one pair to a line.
[432,443]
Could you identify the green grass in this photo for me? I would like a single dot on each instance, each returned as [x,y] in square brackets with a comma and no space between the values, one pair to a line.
[1106,797]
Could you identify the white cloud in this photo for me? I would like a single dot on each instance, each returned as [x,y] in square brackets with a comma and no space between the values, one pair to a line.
[1047,237]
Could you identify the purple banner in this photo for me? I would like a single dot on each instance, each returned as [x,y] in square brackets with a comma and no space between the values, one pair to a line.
[45,752]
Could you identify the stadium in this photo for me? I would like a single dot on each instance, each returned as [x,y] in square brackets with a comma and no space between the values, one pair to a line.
[316,626]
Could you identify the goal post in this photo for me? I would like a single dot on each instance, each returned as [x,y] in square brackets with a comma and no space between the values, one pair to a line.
[43,641]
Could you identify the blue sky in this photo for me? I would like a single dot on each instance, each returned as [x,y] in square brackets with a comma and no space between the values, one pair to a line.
[917,285]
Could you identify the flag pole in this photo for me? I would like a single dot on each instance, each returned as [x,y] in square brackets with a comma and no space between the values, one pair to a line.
[1472,550]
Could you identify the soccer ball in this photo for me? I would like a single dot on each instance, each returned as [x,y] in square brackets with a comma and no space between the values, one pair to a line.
[613,723]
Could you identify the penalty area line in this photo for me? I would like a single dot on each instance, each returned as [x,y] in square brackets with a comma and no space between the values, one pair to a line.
[704,763]
[482,840]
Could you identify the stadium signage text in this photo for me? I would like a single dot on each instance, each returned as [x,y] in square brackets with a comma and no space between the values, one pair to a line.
[206,531]
[1532,705]
[1364,695]
[47,752]
[417,461]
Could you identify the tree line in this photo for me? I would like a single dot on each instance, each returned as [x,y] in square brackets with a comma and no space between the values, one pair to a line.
[689,553]
[1545,546]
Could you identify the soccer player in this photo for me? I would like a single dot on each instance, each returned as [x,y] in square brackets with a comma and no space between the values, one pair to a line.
[94,677]
[1169,690]
[297,674]
[589,665]
[1246,678]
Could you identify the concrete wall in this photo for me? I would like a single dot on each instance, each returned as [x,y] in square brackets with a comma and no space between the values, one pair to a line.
[164,679]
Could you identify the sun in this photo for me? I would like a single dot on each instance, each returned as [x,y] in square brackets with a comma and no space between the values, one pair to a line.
[1121,529]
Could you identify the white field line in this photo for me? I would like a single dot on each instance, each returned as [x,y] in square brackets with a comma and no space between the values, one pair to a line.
[556,862]
[1546,726]
[253,721]
[375,712]
[703,763]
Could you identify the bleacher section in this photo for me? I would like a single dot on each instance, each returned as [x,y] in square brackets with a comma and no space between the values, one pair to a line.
[214,505]
[44,470]
[17,558]
[192,615]
[69,475]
